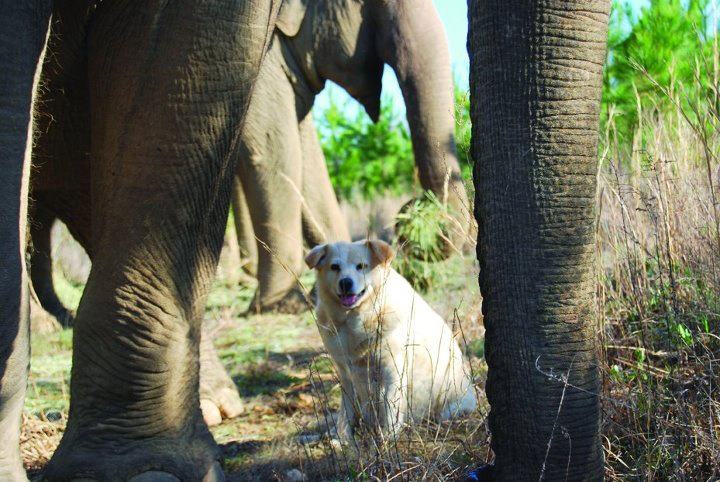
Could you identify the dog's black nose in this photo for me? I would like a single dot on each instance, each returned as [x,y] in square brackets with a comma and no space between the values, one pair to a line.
[346,285]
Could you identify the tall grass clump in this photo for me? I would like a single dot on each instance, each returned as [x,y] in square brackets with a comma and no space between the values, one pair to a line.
[421,241]
[659,273]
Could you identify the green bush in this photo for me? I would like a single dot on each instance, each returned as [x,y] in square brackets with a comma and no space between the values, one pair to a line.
[463,132]
[367,160]
[363,158]
[420,232]
[655,48]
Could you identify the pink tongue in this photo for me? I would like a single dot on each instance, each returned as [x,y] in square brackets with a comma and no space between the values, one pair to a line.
[348,300]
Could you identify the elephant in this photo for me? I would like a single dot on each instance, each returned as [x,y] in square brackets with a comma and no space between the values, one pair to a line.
[137,157]
[282,193]
[535,88]
[219,397]
[154,95]
[535,71]
[56,193]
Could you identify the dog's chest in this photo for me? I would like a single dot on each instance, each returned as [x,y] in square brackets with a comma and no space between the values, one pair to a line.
[351,337]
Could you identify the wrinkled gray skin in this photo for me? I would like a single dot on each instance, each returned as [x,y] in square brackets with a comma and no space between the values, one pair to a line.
[282,175]
[282,192]
[219,397]
[154,95]
[535,135]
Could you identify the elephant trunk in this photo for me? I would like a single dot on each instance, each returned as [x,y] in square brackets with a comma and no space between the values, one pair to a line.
[536,75]
[413,42]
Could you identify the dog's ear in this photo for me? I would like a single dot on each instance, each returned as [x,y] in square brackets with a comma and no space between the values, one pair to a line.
[382,253]
[315,256]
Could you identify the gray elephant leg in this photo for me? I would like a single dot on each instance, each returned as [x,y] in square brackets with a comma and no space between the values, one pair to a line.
[535,134]
[23,28]
[270,168]
[322,219]
[41,266]
[247,244]
[169,87]
[61,186]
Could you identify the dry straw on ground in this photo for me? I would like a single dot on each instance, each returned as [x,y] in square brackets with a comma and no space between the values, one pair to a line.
[659,291]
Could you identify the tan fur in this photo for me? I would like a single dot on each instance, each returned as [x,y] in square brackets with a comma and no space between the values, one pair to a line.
[396,358]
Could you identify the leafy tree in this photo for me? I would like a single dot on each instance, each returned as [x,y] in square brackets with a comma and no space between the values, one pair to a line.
[662,42]
[363,158]
[369,159]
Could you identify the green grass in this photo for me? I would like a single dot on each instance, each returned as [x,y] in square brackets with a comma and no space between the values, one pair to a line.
[49,383]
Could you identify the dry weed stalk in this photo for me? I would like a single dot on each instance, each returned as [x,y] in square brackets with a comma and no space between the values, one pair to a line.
[659,288]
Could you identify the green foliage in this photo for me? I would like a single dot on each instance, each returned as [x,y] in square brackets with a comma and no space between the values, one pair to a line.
[369,159]
[363,158]
[656,48]
[658,235]
[421,226]
[49,383]
[419,229]
[476,348]
[463,133]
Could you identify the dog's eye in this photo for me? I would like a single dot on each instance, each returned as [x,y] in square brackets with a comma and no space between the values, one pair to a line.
[361,266]
[335,267]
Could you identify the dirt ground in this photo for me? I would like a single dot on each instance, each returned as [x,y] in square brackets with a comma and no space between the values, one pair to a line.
[289,391]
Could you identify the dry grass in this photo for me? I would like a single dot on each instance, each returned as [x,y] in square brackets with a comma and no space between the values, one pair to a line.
[659,292]
[292,396]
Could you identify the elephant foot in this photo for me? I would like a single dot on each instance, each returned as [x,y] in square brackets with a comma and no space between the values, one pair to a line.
[221,404]
[219,398]
[161,459]
[215,474]
[293,302]
[150,459]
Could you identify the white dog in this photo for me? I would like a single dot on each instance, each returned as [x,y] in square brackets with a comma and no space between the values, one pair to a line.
[396,358]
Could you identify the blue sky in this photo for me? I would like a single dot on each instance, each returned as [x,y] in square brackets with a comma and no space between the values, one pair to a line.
[453,14]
